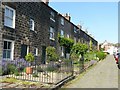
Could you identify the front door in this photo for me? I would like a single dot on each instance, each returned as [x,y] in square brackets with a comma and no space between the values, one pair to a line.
[23,50]
[43,54]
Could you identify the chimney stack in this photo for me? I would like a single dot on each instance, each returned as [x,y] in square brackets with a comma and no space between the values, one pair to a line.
[67,16]
[46,1]
[79,26]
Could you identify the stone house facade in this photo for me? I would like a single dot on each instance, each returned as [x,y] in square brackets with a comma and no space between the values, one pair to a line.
[27,31]
[31,27]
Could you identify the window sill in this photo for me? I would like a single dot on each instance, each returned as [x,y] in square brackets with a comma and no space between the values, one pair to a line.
[7,59]
[52,39]
[52,19]
[33,31]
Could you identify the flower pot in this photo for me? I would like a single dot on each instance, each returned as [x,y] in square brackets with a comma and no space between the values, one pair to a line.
[29,70]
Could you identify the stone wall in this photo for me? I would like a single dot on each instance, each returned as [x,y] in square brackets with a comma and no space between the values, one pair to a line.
[22,33]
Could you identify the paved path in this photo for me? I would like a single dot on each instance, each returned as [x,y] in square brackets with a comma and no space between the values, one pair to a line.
[103,75]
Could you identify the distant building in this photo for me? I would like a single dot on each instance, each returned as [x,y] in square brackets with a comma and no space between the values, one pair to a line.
[108,47]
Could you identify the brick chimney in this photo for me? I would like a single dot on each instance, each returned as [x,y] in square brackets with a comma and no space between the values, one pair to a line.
[46,1]
[67,16]
[79,26]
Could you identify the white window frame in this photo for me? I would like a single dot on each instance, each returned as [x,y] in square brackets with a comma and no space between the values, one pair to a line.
[62,21]
[36,51]
[62,33]
[75,40]
[75,30]
[52,16]
[32,23]
[62,51]
[7,17]
[68,36]
[12,49]
[52,31]
[27,50]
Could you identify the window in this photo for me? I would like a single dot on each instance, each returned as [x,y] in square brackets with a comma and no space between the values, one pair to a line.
[8,48]
[36,51]
[62,51]
[75,30]
[62,33]
[52,16]
[62,20]
[9,17]
[52,33]
[68,36]
[24,50]
[32,24]
[75,40]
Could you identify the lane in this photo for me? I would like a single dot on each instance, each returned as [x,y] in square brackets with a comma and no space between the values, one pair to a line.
[103,75]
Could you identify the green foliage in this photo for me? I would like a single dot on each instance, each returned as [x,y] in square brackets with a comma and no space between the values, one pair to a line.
[29,57]
[51,54]
[102,49]
[11,68]
[90,56]
[66,42]
[101,55]
[90,45]
[16,72]
[51,68]
[35,74]
[1,71]
[74,56]
[24,70]
[39,69]
[79,48]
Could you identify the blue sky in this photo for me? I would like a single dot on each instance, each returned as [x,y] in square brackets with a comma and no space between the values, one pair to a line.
[99,18]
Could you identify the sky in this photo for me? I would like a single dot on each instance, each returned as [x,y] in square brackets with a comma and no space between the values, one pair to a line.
[99,18]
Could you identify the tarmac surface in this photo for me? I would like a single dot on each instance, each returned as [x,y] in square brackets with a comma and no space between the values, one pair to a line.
[103,75]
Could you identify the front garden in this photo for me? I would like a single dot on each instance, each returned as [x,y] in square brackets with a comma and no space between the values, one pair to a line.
[56,69]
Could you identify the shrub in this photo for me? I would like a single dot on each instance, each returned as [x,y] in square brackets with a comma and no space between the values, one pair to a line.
[74,56]
[101,55]
[39,69]
[9,65]
[90,56]
[79,48]
[66,42]
[16,72]
[29,57]
[35,74]
[11,68]
[51,54]
[1,72]
[52,67]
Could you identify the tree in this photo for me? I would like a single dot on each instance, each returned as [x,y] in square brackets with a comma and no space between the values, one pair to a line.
[66,42]
[51,54]
[79,49]
[90,44]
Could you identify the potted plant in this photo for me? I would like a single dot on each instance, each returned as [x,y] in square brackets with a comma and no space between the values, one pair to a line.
[30,58]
